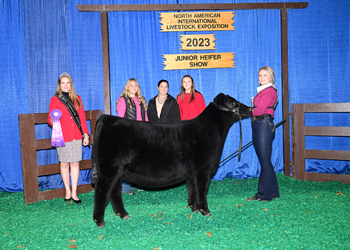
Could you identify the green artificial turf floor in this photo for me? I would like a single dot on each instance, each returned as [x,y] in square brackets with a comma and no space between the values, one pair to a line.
[308,215]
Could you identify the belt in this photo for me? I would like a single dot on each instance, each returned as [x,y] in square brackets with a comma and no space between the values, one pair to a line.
[261,116]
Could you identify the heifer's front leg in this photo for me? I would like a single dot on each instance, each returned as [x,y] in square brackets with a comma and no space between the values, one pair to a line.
[202,181]
[191,188]
[102,188]
[117,201]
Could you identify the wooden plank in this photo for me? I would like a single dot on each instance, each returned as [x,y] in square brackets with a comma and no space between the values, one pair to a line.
[55,168]
[42,144]
[322,177]
[61,192]
[298,141]
[49,169]
[327,131]
[196,21]
[198,61]
[188,7]
[340,155]
[327,107]
[40,118]
[197,42]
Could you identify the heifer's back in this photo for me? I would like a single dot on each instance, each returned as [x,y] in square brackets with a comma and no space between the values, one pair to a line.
[162,154]
[153,154]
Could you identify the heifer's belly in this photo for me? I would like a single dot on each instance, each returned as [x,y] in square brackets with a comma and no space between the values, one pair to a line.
[153,177]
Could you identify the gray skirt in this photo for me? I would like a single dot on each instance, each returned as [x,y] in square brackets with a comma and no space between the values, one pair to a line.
[71,152]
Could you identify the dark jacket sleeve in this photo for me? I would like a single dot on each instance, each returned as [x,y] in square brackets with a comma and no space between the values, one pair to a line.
[152,111]
[175,112]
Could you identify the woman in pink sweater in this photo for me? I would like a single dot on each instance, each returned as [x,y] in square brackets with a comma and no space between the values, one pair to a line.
[131,105]
[191,102]
[263,105]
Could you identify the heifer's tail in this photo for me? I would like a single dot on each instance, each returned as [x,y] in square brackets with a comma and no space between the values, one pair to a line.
[94,150]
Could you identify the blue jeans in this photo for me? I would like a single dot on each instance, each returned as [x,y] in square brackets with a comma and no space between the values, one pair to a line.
[263,134]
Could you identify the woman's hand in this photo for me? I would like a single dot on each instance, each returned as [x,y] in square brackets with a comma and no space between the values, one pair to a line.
[86,139]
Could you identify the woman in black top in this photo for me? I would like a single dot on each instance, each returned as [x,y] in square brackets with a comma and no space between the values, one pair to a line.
[163,107]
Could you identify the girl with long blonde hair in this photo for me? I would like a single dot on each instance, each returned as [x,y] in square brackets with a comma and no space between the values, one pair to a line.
[131,105]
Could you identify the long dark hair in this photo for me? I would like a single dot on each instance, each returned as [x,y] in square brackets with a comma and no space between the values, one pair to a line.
[193,90]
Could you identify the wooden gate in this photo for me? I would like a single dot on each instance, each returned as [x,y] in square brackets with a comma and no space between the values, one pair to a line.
[299,131]
[30,169]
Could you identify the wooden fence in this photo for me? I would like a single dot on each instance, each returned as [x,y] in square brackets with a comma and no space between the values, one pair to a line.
[299,131]
[30,169]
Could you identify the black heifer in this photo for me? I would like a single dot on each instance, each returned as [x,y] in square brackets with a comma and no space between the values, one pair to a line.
[161,154]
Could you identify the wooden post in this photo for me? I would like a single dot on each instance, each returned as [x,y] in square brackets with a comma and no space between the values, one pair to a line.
[285,92]
[298,138]
[29,160]
[105,54]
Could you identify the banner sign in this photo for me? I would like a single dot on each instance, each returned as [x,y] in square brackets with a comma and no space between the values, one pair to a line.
[198,42]
[196,21]
[199,61]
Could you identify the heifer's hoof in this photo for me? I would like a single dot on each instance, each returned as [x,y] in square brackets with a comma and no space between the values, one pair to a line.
[126,217]
[205,213]
[100,224]
[194,209]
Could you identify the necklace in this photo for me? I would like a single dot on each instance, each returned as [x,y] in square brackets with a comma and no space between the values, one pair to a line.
[162,101]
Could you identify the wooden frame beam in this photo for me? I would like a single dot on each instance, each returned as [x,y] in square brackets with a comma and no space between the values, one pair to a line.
[104,9]
[187,7]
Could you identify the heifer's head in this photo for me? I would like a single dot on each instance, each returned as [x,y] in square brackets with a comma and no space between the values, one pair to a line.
[228,103]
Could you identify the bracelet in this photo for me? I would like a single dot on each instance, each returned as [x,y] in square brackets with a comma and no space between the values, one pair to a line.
[86,136]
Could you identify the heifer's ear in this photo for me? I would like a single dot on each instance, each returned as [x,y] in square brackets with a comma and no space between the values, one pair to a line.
[219,99]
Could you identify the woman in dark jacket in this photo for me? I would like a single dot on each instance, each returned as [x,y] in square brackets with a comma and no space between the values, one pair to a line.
[163,107]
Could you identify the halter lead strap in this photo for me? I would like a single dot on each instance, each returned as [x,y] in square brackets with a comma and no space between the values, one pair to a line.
[235,111]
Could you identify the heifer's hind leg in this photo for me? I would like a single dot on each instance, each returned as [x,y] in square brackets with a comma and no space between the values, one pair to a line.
[192,200]
[102,190]
[202,184]
[117,201]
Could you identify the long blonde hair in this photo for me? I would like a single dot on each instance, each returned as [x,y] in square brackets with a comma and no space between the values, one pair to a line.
[72,95]
[271,74]
[193,90]
[138,94]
